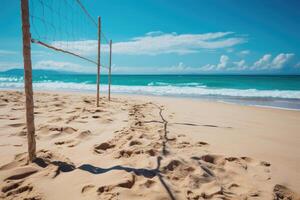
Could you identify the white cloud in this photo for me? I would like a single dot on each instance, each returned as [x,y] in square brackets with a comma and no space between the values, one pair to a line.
[154,43]
[180,68]
[239,66]
[266,62]
[281,60]
[154,33]
[223,62]
[81,47]
[10,65]
[208,67]
[223,66]
[244,52]
[7,52]
[40,53]
[262,63]
[230,50]
[240,63]
[63,66]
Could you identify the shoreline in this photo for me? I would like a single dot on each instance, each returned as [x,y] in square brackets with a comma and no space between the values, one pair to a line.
[204,99]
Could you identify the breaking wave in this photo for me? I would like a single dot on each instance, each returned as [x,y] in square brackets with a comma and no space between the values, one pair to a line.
[186,90]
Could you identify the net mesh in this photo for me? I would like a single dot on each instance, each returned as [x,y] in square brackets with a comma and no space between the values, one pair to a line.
[66,26]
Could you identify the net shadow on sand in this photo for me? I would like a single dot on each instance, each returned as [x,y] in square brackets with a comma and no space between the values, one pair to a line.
[147,173]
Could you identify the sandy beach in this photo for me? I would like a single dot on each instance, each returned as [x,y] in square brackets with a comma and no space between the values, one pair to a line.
[146,147]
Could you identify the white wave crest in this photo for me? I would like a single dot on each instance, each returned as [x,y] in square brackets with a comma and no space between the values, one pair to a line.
[160,90]
[175,84]
[11,79]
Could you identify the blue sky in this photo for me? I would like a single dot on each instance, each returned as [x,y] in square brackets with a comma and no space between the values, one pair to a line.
[164,36]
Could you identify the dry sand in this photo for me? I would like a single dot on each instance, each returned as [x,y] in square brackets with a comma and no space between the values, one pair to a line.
[138,147]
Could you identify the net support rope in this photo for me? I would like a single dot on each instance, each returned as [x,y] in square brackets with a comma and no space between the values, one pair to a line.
[61,50]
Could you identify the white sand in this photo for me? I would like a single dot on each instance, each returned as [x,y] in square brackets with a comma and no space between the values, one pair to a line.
[138,147]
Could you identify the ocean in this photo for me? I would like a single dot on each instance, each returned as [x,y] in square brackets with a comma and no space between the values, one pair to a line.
[279,91]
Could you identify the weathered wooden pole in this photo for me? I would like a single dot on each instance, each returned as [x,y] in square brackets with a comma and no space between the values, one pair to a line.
[28,80]
[98,62]
[109,71]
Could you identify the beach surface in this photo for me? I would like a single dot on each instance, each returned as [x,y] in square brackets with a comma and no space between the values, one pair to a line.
[146,147]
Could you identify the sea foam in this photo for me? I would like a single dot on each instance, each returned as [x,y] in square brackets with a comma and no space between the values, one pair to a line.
[163,90]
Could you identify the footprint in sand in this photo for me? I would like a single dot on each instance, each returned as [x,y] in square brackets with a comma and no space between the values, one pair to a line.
[151,152]
[87,188]
[200,144]
[58,104]
[18,145]
[19,160]
[10,186]
[281,192]
[72,111]
[21,133]
[84,134]
[55,110]
[134,142]
[177,170]
[57,119]
[21,173]
[103,147]
[183,144]
[98,110]
[18,109]
[72,118]
[124,154]
[191,195]
[4,116]
[96,116]
[148,184]
[106,121]
[55,163]
[13,118]
[87,101]
[17,125]
[107,191]
[81,121]
[47,128]
[18,191]
[68,143]
[95,111]
[265,163]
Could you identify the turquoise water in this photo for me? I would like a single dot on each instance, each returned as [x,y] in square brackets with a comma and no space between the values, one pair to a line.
[275,91]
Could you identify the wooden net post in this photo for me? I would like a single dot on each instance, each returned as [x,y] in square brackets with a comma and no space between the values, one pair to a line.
[109,71]
[28,80]
[98,62]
